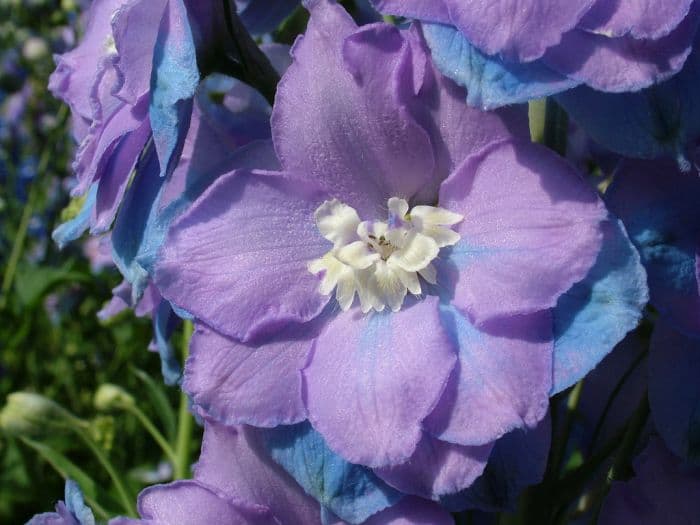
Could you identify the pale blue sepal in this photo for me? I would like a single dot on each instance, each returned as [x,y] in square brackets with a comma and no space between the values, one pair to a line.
[76,504]
[596,313]
[164,324]
[74,228]
[351,492]
[490,82]
[174,80]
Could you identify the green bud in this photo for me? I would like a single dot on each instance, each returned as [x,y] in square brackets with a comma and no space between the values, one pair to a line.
[110,397]
[31,414]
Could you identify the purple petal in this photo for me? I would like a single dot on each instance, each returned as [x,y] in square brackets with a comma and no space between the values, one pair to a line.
[664,491]
[233,462]
[135,29]
[502,379]
[77,71]
[459,130]
[518,30]
[115,177]
[638,18]
[237,259]
[373,379]
[674,390]
[340,117]
[257,385]
[623,64]
[434,11]
[195,504]
[531,230]
[412,511]
[658,205]
[437,468]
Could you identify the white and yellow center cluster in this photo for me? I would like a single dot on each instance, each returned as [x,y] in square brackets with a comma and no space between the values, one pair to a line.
[381,261]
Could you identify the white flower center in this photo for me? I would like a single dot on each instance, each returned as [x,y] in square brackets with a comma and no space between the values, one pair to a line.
[381,261]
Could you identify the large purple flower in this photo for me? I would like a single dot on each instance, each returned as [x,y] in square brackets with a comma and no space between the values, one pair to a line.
[511,51]
[236,481]
[393,284]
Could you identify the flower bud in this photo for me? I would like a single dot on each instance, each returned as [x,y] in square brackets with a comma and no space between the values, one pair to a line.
[110,397]
[29,414]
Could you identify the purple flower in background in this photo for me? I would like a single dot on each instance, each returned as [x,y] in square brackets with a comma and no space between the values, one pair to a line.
[660,121]
[236,481]
[658,205]
[396,282]
[71,512]
[511,51]
[674,390]
[663,491]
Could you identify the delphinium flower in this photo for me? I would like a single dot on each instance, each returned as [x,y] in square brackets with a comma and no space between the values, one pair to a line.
[664,490]
[414,282]
[72,511]
[511,51]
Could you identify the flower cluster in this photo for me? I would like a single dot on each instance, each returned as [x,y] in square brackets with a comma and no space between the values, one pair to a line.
[387,284]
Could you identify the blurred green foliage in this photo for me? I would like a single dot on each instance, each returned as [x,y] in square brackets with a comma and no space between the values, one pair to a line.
[51,341]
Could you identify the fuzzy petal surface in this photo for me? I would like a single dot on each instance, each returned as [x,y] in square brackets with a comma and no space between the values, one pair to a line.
[355,135]
[437,468]
[259,385]
[235,462]
[662,120]
[623,64]
[374,378]
[237,259]
[596,313]
[501,381]
[351,492]
[490,81]
[638,18]
[531,230]
[519,30]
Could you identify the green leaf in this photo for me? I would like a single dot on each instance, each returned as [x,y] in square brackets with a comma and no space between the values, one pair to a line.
[160,402]
[33,283]
[64,466]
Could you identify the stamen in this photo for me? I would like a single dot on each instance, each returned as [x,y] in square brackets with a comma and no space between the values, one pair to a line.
[381,261]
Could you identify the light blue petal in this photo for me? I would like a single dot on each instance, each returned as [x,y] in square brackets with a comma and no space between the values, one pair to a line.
[517,461]
[174,80]
[76,504]
[164,325]
[490,82]
[74,228]
[133,227]
[596,314]
[351,492]
[663,120]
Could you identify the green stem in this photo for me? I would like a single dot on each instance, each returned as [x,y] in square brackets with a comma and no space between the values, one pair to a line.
[560,449]
[256,68]
[549,124]
[154,432]
[126,499]
[185,421]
